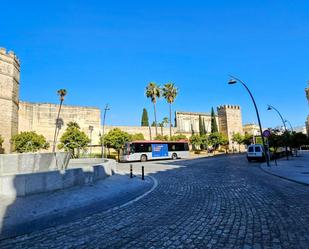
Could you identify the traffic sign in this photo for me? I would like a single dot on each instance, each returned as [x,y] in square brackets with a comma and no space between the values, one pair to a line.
[266,133]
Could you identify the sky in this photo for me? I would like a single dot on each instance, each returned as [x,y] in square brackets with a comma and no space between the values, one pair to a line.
[108,51]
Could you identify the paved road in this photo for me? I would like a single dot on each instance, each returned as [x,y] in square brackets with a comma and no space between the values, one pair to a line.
[209,203]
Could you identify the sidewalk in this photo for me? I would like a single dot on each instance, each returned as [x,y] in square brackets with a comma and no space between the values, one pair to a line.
[25,214]
[295,169]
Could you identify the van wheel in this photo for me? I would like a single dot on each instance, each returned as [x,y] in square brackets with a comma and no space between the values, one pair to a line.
[143,158]
[249,160]
[174,156]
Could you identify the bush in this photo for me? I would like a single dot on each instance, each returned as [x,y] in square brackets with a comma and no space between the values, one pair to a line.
[29,141]
[162,138]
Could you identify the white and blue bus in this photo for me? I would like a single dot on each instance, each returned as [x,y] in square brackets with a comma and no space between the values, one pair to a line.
[151,150]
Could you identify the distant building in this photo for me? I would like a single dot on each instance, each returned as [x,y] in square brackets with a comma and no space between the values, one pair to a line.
[188,122]
[301,129]
[252,129]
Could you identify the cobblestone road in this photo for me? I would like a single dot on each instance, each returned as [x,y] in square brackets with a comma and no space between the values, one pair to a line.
[211,203]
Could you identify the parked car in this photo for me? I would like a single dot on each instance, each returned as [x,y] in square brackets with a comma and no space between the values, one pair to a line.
[255,152]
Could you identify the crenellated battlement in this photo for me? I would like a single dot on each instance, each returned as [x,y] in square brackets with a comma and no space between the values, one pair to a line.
[9,54]
[224,107]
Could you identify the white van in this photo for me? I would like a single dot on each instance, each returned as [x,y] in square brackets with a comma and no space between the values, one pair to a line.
[255,152]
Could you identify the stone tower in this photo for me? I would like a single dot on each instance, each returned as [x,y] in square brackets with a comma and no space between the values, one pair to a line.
[230,121]
[9,96]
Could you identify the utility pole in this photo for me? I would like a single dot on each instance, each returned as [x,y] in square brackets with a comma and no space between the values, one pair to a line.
[104,117]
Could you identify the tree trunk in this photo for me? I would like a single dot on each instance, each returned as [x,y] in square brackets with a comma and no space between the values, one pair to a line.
[55,134]
[170,120]
[155,116]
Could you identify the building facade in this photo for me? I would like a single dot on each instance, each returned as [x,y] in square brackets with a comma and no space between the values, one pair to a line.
[252,129]
[17,116]
[188,122]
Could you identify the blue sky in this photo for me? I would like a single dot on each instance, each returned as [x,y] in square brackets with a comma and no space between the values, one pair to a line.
[107,51]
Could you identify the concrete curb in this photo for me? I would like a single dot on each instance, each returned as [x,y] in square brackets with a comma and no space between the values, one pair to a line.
[283,177]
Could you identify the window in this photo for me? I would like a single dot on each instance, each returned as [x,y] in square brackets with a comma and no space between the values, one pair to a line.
[257,149]
[178,147]
[142,147]
[250,149]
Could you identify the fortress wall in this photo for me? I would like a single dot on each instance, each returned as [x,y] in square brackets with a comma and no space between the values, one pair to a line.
[144,130]
[41,118]
[9,96]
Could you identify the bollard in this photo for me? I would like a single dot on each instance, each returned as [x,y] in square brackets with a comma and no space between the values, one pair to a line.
[131,171]
[143,173]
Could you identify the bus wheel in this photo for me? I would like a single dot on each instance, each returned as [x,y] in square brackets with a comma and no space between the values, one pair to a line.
[174,156]
[143,158]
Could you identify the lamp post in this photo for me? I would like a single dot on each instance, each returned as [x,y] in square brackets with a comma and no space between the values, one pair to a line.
[104,117]
[90,131]
[234,80]
[286,147]
[287,121]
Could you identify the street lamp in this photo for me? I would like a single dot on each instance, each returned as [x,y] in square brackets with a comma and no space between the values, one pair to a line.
[104,117]
[90,131]
[286,147]
[234,80]
[287,121]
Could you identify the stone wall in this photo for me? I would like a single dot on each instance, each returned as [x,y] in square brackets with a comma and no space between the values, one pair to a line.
[12,164]
[41,118]
[9,96]
[144,130]
[41,182]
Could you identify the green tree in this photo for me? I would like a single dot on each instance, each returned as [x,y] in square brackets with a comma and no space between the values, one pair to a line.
[29,141]
[153,91]
[73,138]
[137,137]
[201,125]
[61,93]
[170,93]
[116,139]
[165,121]
[145,120]
[153,124]
[204,142]
[298,139]
[196,141]
[161,138]
[248,139]
[178,137]
[214,126]
[216,139]
[238,138]
[1,141]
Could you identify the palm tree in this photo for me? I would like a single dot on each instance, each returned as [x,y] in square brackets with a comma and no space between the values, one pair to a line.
[61,93]
[170,93]
[153,92]
[165,121]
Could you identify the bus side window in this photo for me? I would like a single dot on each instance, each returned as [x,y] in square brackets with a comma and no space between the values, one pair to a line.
[149,148]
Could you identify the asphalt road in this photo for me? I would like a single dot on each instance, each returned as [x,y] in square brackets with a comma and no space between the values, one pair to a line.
[221,202]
